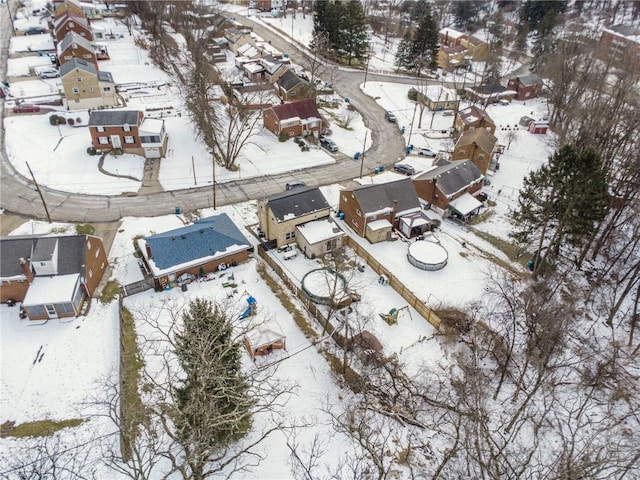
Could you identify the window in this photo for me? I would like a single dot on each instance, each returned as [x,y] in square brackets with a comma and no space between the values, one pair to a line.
[71,24]
[126,128]
[358,212]
[35,311]
[90,273]
[64,308]
[100,129]
[129,139]
[290,235]
[78,79]
[462,151]
[75,90]
[91,89]
[481,157]
[86,56]
[97,251]
[150,139]
[106,89]
[103,140]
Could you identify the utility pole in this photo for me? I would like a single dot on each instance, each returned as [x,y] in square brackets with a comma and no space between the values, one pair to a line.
[366,70]
[412,120]
[13,28]
[362,156]
[46,210]
[214,183]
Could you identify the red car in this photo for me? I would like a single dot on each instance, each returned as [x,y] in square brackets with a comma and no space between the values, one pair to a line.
[26,108]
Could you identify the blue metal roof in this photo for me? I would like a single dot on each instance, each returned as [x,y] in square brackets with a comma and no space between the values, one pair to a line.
[206,237]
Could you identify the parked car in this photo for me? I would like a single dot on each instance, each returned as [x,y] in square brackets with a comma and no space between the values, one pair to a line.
[35,30]
[49,73]
[503,101]
[427,152]
[404,169]
[448,113]
[295,184]
[328,144]
[26,108]
[390,116]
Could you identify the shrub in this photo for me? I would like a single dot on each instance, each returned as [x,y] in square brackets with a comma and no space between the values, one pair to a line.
[283,137]
[71,122]
[85,229]
[78,120]
[116,151]
[56,120]
[413,94]
[91,151]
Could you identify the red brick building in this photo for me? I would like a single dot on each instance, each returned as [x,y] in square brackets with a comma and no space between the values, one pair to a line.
[294,119]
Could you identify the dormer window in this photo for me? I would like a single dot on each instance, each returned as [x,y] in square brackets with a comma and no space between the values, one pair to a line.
[126,127]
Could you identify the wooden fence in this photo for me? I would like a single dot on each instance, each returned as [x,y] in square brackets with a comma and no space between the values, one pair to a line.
[410,297]
[396,284]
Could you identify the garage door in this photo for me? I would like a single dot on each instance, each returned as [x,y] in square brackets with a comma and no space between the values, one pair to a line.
[152,152]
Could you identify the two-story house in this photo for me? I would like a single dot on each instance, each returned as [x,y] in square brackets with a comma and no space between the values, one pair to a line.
[527,86]
[291,87]
[280,214]
[476,145]
[473,117]
[294,119]
[129,131]
[86,87]
[447,182]
[75,46]
[70,22]
[373,211]
[51,275]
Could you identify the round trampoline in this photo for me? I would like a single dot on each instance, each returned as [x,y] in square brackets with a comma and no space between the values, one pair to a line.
[323,285]
[427,255]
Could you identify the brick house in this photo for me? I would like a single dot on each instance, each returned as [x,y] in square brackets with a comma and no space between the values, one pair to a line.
[280,214]
[207,245]
[86,87]
[75,46]
[373,211]
[527,86]
[473,117]
[489,93]
[476,145]
[621,43]
[51,275]
[291,87]
[128,130]
[69,22]
[447,182]
[294,119]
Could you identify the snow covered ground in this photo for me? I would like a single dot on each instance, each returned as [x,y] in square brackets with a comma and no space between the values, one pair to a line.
[53,366]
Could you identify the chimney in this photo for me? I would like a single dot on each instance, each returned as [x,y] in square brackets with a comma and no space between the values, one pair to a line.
[395,209]
[148,248]
[26,270]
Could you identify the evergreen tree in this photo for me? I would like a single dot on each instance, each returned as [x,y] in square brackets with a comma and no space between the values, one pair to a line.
[540,15]
[403,54]
[424,48]
[212,402]
[353,32]
[561,203]
[465,13]
[418,11]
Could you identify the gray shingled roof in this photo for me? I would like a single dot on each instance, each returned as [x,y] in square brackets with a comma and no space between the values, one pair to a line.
[204,238]
[289,80]
[73,37]
[296,202]
[529,79]
[74,63]
[452,177]
[480,136]
[105,77]
[373,198]
[111,118]
[71,253]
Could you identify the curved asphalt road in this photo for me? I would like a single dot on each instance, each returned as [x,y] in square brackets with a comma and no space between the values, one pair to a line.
[19,196]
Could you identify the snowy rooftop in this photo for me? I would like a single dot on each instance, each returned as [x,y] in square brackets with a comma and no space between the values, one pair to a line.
[53,289]
[320,230]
